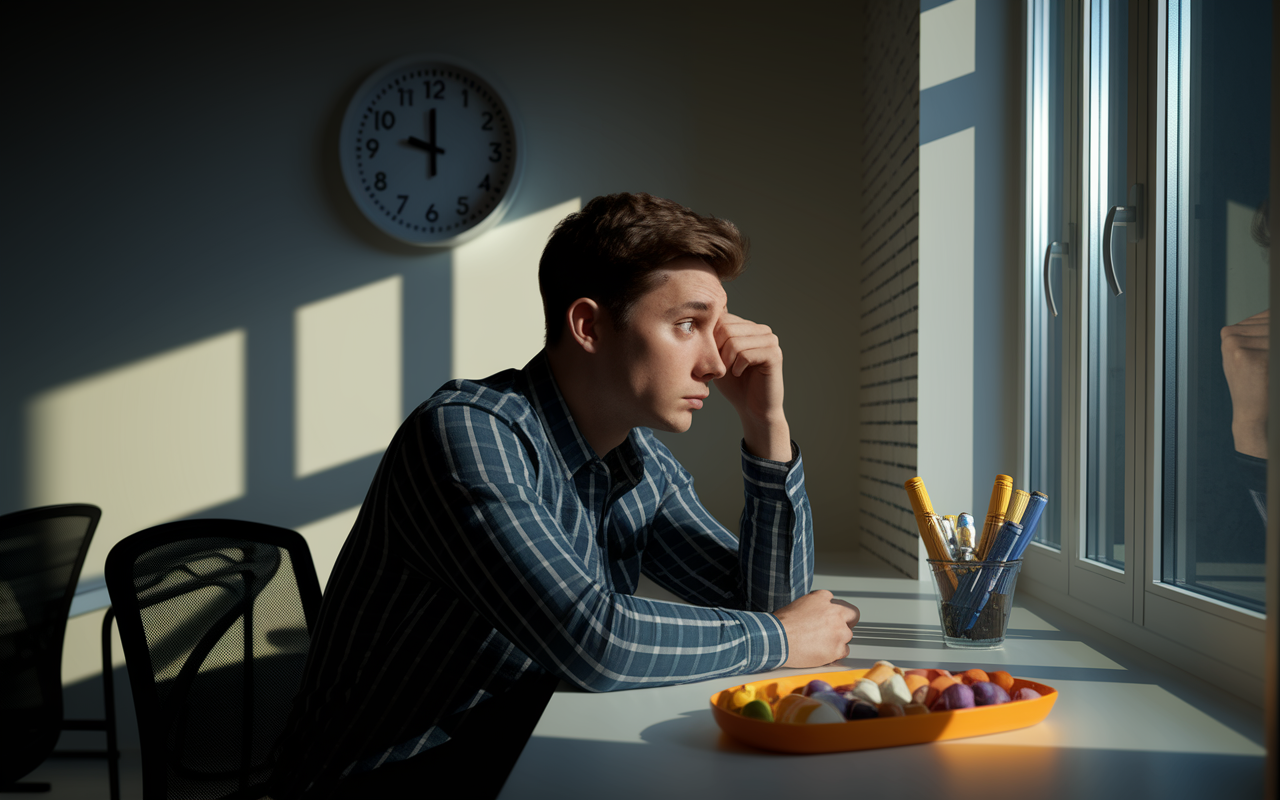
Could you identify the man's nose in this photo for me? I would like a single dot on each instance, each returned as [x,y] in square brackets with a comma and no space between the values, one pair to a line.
[711,366]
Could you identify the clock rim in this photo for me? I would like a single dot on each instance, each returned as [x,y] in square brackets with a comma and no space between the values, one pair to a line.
[347,164]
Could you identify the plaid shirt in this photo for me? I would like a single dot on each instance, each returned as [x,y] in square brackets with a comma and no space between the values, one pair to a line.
[494,541]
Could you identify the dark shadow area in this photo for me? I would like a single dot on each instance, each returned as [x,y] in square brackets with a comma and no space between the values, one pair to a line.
[83,700]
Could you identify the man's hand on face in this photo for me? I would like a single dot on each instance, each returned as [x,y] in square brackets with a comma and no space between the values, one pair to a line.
[752,383]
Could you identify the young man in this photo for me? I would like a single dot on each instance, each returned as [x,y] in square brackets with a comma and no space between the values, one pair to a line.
[502,539]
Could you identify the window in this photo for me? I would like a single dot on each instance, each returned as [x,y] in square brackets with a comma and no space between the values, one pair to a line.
[1216,275]
[1148,157]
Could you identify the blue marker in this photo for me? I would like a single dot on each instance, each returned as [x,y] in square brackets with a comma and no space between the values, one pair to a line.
[1010,534]
[1030,519]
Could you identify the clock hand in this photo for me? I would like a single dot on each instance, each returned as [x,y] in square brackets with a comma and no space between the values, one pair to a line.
[430,147]
[431,131]
[414,141]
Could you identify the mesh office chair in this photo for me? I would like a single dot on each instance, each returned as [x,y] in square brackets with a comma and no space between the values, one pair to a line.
[215,618]
[41,553]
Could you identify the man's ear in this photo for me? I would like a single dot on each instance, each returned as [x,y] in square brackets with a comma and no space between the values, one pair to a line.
[586,323]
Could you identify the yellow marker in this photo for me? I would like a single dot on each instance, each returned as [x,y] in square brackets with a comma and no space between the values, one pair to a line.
[935,543]
[926,520]
[919,497]
[1017,506]
[995,514]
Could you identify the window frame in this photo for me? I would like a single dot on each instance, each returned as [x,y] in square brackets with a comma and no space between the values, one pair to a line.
[1206,636]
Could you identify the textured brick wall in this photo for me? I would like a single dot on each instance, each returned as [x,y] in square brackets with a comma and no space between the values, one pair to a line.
[888,285]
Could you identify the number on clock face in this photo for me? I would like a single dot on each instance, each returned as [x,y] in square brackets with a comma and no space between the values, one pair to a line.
[434,151]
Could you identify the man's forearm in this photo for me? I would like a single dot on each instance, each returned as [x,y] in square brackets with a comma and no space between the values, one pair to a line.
[775,548]
[771,440]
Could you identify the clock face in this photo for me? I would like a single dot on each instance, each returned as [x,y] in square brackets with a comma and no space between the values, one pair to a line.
[430,152]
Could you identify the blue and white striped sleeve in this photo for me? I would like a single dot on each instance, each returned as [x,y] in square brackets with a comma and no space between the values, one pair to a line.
[470,507]
[767,567]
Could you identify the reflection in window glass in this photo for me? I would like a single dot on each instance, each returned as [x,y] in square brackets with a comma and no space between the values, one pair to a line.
[1216,315]
[1109,110]
[1047,342]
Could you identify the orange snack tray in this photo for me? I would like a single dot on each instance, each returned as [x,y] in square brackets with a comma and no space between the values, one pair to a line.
[867,734]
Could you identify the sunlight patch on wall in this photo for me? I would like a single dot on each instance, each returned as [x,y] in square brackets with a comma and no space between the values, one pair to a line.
[347,376]
[325,538]
[148,442]
[497,309]
[948,42]
[945,386]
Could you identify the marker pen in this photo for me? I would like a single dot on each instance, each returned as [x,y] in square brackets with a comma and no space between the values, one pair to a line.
[995,514]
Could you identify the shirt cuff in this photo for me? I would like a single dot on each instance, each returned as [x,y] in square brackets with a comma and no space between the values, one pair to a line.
[765,639]
[773,480]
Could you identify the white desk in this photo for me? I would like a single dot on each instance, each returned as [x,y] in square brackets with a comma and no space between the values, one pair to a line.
[1125,725]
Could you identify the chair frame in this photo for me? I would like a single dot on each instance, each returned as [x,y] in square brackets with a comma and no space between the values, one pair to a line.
[124,599]
[108,724]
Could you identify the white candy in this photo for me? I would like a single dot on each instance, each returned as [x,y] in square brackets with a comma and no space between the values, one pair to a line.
[866,690]
[894,690]
[824,715]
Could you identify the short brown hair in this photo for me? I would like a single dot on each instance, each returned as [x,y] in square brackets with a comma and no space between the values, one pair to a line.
[609,249]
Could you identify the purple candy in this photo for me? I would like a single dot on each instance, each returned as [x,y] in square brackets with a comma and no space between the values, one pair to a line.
[1026,694]
[816,686]
[954,696]
[986,693]
[833,699]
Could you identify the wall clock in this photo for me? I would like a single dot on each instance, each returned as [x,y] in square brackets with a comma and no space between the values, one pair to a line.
[430,151]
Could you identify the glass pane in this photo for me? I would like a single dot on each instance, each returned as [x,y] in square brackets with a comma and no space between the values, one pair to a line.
[1051,191]
[1109,122]
[1216,315]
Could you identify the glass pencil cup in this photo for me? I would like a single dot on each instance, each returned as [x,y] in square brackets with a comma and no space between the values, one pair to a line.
[974,601]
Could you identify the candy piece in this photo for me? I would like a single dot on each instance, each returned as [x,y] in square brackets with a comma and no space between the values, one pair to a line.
[758,709]
[894,690]
[879,673]
[864,689]
[837,701]
[920,695]
[911,709]
[923,673]
[972,676]
[890,710]
[795,708]
[955,696]
[740,697]
[986,693]
[861,709]
[1002,679]
[816,686]
[1026,693]
[915,681]
[936,687]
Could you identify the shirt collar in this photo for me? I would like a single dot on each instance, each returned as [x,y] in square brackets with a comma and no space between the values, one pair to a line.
[572,446]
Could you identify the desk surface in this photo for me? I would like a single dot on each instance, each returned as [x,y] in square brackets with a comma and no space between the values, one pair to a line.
[1126,725]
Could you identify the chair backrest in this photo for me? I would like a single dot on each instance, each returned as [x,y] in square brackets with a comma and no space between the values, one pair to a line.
[41,553]
[215,619]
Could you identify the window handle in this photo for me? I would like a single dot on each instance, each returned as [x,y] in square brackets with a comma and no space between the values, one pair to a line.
[1054,250]
[1130,216]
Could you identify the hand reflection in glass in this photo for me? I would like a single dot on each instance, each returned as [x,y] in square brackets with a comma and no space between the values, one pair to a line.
[1245,349]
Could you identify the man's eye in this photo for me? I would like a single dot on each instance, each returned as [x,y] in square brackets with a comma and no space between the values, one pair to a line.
[686,326]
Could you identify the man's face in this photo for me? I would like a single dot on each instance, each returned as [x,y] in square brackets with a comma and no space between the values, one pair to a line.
[666,355]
